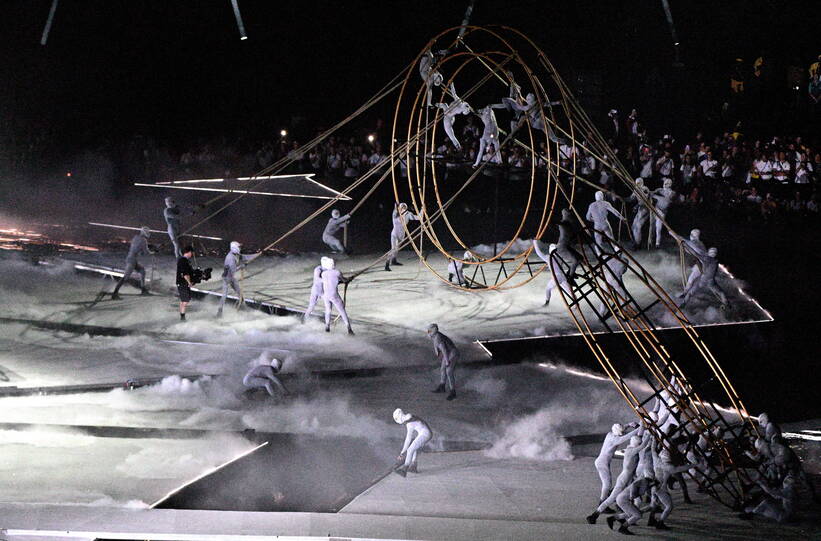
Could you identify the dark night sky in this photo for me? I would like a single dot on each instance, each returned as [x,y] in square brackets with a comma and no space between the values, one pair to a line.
[177,67]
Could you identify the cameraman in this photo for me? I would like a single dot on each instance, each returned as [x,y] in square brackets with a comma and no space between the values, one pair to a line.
[184,279]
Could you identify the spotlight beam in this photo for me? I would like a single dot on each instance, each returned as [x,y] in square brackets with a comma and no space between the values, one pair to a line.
[238,17]
[49,21]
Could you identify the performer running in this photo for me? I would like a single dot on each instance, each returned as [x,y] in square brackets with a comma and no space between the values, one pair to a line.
[139,246]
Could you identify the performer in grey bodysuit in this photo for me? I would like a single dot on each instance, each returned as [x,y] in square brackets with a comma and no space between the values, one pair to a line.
[400,218]
[331,278]
[628,471]
[335,223]
[171,213]
[664,198]
[449,112]
[707,280]
[533,112]
[447,353]
[558,275]
[612,441]
[316,292]
[417,436]
[429,75]
[692,245]
[234,261]
[564,246]
[139,246]
[264,376]
[490,135]
[597,213]
[642,212]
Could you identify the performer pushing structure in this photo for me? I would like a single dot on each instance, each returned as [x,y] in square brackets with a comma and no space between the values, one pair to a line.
[171,213]
[628,471]
[139,246]
[335,223]
[612,441]
[234,261]
[447,353]
[558,276]
[316,292]
[707,280]
[642,212]
[417,436]
[331,278]
[264,376]
[400,218]
[694,246]
[456,269]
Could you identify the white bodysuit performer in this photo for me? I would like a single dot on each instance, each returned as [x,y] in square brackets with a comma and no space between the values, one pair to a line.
[612,441]
[642,212]
[628,471]
[139,246]
[597,213]
[533,112]
[558,276]
[455,269]
[664,198]
[335,223]
[430,76]
[614,269]
[316,292]
[448,354]
[331,278]
[564,246]
[707,280]
[264,376]
[234,261]
[171,213]
[490,135]
[418,434]
[400,218]
[449,112]
[696,247]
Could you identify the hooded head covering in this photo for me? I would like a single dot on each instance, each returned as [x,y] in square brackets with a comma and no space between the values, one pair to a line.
[234,247]
[335,213]
[327,263]
[400,416]
[169,202]
[145,232]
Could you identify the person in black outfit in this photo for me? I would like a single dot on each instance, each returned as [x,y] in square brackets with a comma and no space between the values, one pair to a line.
[184,279]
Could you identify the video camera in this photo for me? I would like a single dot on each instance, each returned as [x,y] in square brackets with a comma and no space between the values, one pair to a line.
[200,275]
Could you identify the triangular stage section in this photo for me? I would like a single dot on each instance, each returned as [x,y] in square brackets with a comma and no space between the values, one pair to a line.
[301,185]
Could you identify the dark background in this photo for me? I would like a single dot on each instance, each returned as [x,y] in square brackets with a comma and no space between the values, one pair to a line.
[177,69]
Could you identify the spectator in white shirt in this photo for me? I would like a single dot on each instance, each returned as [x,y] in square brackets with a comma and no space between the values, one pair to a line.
[781,169]
[764,168]
[709,166]
[803,169]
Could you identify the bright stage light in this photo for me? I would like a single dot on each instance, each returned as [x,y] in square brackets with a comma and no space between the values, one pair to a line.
[283,133]
[371,138]
[238,17]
